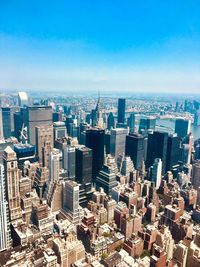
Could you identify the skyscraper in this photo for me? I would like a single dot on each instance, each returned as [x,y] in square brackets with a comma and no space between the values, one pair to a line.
[182,127]
[5,239]
[132,122]
[54,165]
[59,129]
[196,175]
[173,151]
[71,202]
[12,183]
[23,99]
[106,179]
[121,110]
[197,118]
[135,149]
[37,116]
[147,123]
[1,125]
[83,165]
[95,141]
[18,123]
[69,161]
[117,142]
[97,119]
[8,121]
[156,175]
[157,148]
[44,143]
[110,121]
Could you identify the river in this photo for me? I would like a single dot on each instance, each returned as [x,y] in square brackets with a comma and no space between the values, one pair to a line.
[169,125]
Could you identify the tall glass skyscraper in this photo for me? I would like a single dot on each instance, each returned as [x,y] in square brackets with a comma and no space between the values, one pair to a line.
[157,148]
[121,110]
[182,127]
[95,141]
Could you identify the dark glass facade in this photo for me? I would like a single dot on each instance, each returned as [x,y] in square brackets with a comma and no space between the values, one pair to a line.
[135,149]
[121,110]
[157,148]
[95,141]
[83,165]
[173,152]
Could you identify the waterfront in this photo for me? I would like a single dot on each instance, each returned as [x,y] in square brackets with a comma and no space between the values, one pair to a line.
[169,125]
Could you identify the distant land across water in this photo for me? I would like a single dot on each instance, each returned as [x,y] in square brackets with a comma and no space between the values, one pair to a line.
[169,126]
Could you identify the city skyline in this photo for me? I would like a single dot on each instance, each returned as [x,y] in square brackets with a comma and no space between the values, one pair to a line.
[134,47]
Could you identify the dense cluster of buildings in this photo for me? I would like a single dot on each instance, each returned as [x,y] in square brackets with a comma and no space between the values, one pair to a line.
[88,189]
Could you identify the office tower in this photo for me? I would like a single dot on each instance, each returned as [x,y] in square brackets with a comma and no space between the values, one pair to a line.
[69,161]
[5,239]
[197,149]
[18,124]
[41,180]
[121,110]
[56,116]
[197,118]
[110,121]
[131,123]
[23,99]
[73,130]
[44,143]
[69,120]
[157,148]
[147,123]
[156,174]
[187,148]
[82,128]
[71,202]
[135,149]
[83,165]
[59,130]
[54,165]
[95,141]
[182,127]
[37,116]
[43,218]
[12,183]
[180,254]
[107,142]
[54,196]
[173,151]
[8,121]
[106,179]
[143,125]
[196,174]
[127,169]
[151,123]
[117,142]
[96,115]
[24,152]
[1,125]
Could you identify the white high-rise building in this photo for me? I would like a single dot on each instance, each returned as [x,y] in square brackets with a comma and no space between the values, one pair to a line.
[71,206]
[156,175]
[23,99]
[5,238]
[54,163]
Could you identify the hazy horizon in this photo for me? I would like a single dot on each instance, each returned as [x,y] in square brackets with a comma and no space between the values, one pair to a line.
[116,46]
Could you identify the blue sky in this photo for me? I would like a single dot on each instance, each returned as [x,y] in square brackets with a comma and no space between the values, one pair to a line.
[149,45]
